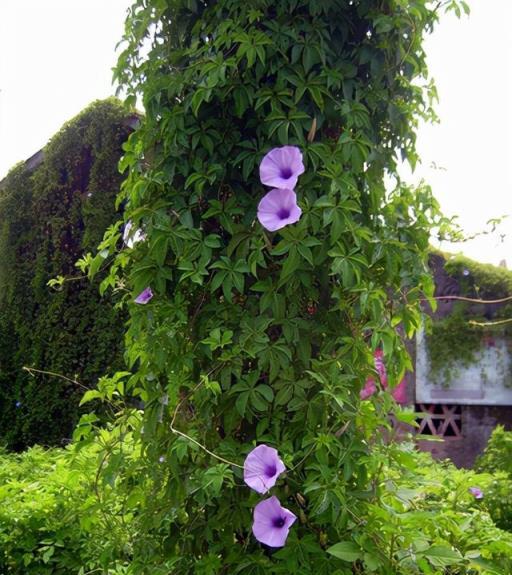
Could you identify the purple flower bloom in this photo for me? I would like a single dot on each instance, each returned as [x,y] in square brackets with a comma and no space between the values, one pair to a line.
[131,236]
[272,522]
[18,404]
[144,296]
[262,467]
[277,209]
[476,492]
[281,167]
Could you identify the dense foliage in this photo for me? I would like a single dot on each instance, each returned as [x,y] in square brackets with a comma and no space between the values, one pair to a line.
[498,453]
[55,519]
[58,516]
[49,214]
[497,460]
[253,337]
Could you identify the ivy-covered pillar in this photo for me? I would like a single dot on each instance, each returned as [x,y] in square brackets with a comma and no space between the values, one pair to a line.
[272,264]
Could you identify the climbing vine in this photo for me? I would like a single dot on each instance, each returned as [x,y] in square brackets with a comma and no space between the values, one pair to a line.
[271,263]
[474,321]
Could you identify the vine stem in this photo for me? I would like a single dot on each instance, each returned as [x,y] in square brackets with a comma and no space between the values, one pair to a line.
[490,323]
[473,300]
[313,447]
[205,449]
[33,370]
[191,439]
[268,243]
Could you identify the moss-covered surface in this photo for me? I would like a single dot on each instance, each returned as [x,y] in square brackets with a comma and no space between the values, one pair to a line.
[480,280]
[49,216]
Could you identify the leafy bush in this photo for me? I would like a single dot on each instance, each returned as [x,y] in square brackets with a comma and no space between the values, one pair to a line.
[498,453]
[58,515]
[429,516]
[260,335]
[56,518]
[256,337]
[50,213]
[498,500]
[497,460]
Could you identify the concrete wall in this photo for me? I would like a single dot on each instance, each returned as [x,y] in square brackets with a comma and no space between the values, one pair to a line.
[477,425]
[488,381]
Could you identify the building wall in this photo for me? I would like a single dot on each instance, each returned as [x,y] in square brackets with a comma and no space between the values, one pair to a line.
[462,429]
[477,424]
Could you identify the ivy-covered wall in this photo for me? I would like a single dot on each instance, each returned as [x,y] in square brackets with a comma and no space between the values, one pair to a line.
[462,327]
[50,216]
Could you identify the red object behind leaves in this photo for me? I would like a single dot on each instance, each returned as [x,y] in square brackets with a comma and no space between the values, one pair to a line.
[399,393]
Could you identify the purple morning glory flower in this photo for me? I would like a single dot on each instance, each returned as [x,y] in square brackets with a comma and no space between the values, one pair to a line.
[476,492]
[144,296]
[262,467]
[131,236]
[272,522]
[278,208]
[18,404]
[281,167]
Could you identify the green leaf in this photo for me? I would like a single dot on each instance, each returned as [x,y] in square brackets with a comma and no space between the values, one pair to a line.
[346,551]
[266,392]
[291,263]
[90,396]
[443,556]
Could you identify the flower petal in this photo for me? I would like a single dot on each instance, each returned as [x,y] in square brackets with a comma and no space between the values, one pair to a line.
[272,522]
[131,236]
[476,492]
[278,208]
[262,467]
[281,167]
[144,296]
[368,390]
[380,367]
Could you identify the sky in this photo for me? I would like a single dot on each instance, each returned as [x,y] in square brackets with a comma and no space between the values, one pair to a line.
[471,147]
[56,57]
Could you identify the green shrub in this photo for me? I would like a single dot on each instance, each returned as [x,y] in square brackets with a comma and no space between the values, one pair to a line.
[498,453]
[38,534]
[497,460]
[498,500]
[60,516]
[55,518]
[428,513]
